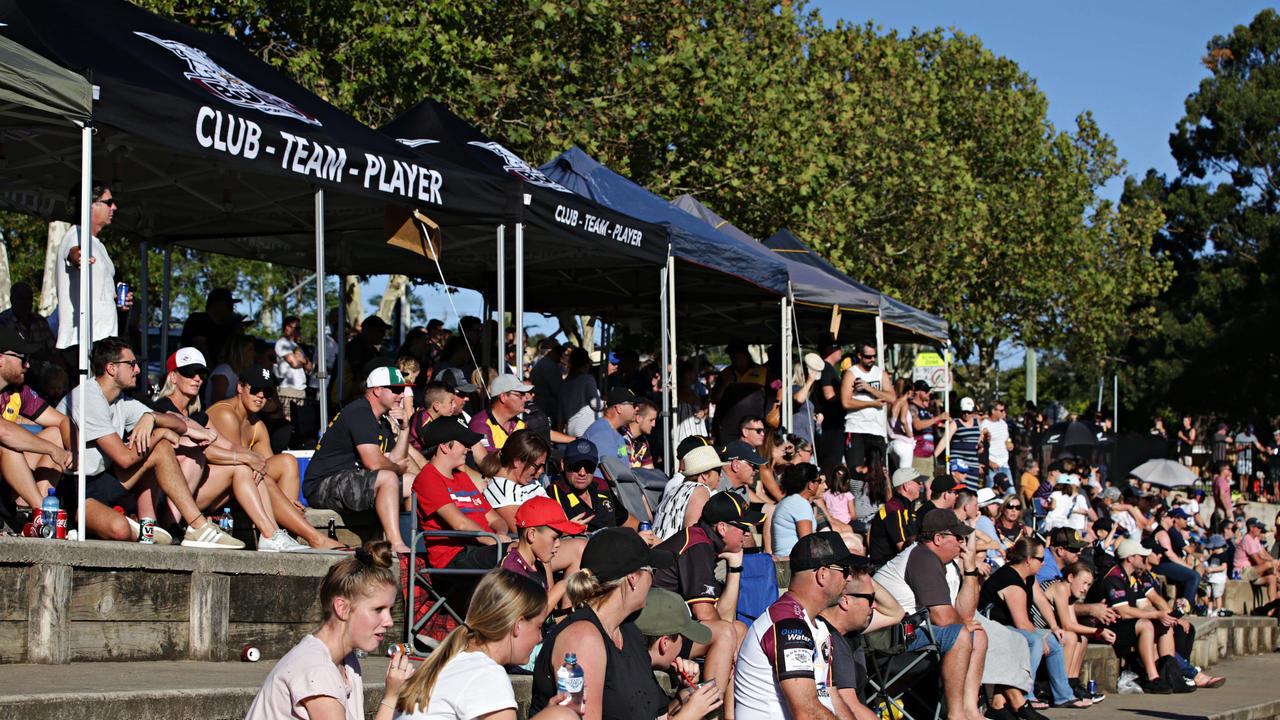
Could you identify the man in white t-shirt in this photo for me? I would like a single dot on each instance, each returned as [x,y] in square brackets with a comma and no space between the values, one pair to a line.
[865,392]
[292,368]
[998,444]
[784,665]
[103,321]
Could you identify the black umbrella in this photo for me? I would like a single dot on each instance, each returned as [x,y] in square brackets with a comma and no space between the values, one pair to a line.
[1069,435]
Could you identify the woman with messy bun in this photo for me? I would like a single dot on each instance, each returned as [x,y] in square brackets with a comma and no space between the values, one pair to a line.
[320,677]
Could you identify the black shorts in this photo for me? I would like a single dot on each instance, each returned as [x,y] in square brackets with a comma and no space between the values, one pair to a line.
[478,557]
[856,445]
[1126,634]
[103,487]
[345,491]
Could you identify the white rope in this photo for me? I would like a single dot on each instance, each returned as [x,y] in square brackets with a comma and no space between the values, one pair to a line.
[435,257]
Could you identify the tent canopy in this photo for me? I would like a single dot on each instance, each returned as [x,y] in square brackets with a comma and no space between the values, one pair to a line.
[570,240]
[902,323]
[34,88]
[208,146]
[814,291]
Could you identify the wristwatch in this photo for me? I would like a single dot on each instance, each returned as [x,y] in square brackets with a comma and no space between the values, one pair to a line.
[972,573]
[735,569]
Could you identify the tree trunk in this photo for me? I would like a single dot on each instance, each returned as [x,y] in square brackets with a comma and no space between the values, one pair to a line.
[396,285]
[351,295]
[49,284]
[5,280]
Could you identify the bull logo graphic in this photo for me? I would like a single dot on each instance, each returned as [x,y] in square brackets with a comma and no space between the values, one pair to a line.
[513,164]
[220,83]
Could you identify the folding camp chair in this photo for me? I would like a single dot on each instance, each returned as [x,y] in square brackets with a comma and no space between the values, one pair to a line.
[634,487]
[436,602]
[900,682]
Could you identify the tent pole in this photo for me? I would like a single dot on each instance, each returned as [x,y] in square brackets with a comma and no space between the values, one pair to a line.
[671,337]
[667,420]
[785,349]
[144,314]
[166,304]
[518,340]
[340,340]
[880,358]
[501,360]
[84,319]
[1115,404]
[946,393]
[322,371]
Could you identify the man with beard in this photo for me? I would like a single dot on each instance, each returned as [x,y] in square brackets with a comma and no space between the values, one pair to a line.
[865,392]
[31,463]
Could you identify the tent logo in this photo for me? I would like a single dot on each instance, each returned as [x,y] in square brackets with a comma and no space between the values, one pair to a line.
[219,82]
[513,164]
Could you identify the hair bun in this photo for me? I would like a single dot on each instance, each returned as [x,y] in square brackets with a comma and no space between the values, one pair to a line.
[379,553]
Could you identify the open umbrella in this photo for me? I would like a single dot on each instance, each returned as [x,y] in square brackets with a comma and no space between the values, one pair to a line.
[1069,434]
[1165,473]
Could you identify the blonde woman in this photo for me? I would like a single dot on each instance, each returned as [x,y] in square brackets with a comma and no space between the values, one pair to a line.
[320,677]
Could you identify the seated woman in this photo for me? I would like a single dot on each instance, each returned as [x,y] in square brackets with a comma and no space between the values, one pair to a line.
[320,677]
[1007,596]
[793,517]
[514,473]
[1009,525]
[464,678]
[1063,595]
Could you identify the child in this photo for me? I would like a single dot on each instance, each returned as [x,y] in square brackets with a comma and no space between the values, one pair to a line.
[838,497]
[1217,564]
[540,522]
[667,625]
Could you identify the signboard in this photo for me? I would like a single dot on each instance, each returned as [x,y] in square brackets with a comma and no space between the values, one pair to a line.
[932,368]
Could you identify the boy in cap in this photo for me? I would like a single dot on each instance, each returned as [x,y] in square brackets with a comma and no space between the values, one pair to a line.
[540,523]
[942,495]
[361,463]
[783,668]
[893,527]
[666,625]
[718,535]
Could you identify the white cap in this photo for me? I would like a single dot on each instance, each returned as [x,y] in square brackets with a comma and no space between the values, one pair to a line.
[507,383]
[184,358]
[385,376]
[813,361]
[987,496]
[1131,547]
[967,405]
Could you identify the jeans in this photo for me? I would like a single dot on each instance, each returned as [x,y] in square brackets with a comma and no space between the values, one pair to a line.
[1062,692]
[1185,578]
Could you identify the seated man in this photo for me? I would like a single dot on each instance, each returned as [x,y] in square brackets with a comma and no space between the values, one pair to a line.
[360,462]
[507,399]
[116,470]
[1253,562]
[586,502]
[606,432]
[449,500]
[237,423]
[30,462]
[636,434]
[894,526]
[918,579]
[783,669]
[739,472]
[865,606]
[1141,627]
[718,535]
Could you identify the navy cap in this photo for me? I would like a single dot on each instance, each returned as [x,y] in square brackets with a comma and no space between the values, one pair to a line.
[579,450]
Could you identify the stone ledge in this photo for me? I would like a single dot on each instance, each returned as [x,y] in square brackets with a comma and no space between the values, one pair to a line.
[121,555]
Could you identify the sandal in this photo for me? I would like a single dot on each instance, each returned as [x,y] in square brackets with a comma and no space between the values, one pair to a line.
[1038,704]
[1213,682]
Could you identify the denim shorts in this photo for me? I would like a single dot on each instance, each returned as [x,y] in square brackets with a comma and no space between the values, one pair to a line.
[944,635]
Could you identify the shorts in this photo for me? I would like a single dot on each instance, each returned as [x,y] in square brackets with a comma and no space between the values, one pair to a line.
[1250,574]
[478,557]
[856,445]
[102,487]
[1126,634]
[346,491]
[945,636]
[923,465]
[1217,584]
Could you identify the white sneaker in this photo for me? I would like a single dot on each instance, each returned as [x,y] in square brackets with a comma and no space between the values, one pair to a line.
[210,536]
[281,541]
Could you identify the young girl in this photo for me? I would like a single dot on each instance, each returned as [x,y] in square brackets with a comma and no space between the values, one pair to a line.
[838,497]
[320,677]
[464,677]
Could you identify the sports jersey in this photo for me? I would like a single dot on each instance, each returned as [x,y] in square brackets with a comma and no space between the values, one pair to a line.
[782,644]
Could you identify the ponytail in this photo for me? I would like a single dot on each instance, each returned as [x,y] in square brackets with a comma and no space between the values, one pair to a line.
[357,576]
[584,587]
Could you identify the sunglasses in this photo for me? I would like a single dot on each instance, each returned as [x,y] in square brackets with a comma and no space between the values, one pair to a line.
[20,357]
[132,363]
[585,466]
[202,374]
[1014,507]
[109,202]
[869,597]
[538,467]
[1038,558]
[755,429]
[844,571]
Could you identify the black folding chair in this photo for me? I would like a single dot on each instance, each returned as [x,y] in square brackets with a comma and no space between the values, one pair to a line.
[901,682]
[436,596]
[634,487]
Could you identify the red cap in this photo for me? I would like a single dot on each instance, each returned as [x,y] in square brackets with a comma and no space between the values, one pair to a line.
[542,510]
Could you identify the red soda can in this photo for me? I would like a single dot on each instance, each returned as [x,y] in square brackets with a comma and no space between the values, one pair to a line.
[60,526]
[250,654]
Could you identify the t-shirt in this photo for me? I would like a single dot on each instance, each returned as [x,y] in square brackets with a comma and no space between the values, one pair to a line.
[892,577]
[605,509]
[1065,512]
[103,322]
[609,442]
[838,505]
[997,451]
[848,664]
[1246,548]
[1119,588]
[21,402]
[1222,494]
[693,576]
[790,510]
[989,594]
[166,405]
[782,644]
[353,426]
[1049,569]
[893,523]
[579,402]
[470,685]
[495,433]
[832,410]
[305,672]
[501,492]
[516,563]
[927,578]
[291,378]
[97,418]
[434,491]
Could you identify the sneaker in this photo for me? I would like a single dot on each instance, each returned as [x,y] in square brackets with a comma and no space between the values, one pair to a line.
[210,536]
[1156,687]
[281,541]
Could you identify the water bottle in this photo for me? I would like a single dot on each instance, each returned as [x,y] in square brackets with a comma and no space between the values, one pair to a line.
[225,521]
[49,508]
[570,681]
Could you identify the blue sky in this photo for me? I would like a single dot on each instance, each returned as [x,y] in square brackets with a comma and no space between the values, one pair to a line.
[1131,63]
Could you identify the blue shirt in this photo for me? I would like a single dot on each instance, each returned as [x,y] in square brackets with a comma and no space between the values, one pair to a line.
[609,442]
[790,510]
[1049,568]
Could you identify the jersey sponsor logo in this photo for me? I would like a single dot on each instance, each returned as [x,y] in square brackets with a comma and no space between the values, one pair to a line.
[221,83]
[794,659]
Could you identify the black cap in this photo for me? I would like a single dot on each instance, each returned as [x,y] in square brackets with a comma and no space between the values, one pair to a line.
[730,508]
[12,341]
[691,442]
[943,521]
[820,549]
[944,483]
[616,552]
[921,386]
[221,294]
[1068,538]
[619,395]
[258,378]
[739,450]
[456,382]
[447,429]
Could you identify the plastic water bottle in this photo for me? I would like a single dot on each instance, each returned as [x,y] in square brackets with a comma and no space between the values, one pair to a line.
[49,508]
[225,521]
[571,681]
